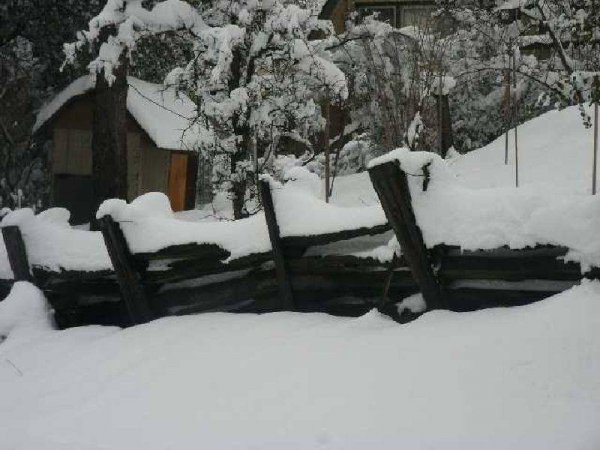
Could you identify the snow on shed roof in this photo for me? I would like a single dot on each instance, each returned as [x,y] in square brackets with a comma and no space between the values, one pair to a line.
[162,113]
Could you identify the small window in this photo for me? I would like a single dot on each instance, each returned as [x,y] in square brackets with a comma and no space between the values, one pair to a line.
[385,13]
[399,13]
[413,15]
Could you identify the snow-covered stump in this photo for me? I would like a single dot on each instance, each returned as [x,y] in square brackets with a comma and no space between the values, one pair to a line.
[17,254]
[391,184]
[129,279]
[284,282]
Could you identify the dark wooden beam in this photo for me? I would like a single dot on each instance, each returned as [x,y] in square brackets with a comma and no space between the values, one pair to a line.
[17,253]
[391,185]
[281,268]
[327,238]
[128,277]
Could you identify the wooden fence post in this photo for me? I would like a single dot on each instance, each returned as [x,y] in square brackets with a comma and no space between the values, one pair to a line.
[128,277]
[281,268]
[391,185]
[17,254]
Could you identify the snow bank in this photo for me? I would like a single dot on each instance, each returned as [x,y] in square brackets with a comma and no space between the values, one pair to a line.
[415,304]
[150,225]
[52,244]
[451,213]
[300,212]
[515,378]
[555,155]
[25,313]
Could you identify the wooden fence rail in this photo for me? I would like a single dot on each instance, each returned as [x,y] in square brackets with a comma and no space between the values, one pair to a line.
[391,185]
[281,266]
[128,277]
[192,278]
[17,255]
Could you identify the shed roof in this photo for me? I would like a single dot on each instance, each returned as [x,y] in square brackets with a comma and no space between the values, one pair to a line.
[162,113]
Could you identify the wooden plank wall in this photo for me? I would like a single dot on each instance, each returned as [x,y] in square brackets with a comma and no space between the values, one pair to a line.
[178,180]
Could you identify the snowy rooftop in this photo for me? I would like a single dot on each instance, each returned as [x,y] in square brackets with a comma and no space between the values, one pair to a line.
[162,113]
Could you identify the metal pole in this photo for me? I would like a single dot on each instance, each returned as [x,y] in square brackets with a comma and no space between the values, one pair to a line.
[327,152]
[595,148]
[440,116]
[516,118]
[507,112]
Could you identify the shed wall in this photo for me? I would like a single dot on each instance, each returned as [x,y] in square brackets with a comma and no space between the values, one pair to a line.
[148,166]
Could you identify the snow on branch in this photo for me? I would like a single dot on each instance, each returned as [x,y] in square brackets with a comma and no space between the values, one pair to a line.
[131,21]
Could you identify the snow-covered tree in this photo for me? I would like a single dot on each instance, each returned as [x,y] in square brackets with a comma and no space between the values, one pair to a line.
[394,76]
[31,37]
[255,74]
[22,176]
[551,46]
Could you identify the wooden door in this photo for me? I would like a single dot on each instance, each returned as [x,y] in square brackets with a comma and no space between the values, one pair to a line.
[178,181]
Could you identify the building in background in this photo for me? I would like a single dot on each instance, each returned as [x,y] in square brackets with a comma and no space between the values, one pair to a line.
[158,156]
[399,13]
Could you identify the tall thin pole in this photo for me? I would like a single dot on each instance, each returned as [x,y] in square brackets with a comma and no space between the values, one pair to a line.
[595,148]
[255,157]
[516,118]
[327,152]
[507,112]
[440,117]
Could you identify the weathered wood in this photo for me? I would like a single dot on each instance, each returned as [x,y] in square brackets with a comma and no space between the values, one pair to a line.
[388,281]
[17,253]
[541,262]
[357,283]
[391,185]
[42,275]
[332,264]
[5,288]
[186,269]
[281,267]
[128,277]
[513,269]
[505,252]
[465,299]
[327,238]
[193,250]
[210,297]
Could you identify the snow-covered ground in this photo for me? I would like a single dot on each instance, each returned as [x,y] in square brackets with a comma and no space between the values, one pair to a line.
[520,378]
[555,155]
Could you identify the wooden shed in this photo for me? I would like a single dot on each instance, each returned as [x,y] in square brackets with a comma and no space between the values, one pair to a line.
[159,157]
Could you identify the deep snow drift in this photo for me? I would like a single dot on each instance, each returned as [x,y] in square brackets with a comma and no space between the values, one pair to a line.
[520,378]
[555,156]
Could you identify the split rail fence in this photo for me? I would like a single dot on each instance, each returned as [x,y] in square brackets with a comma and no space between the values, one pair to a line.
[192,278]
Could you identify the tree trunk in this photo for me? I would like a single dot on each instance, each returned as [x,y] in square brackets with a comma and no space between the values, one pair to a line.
[445,126]
[109,137]
[238,187]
